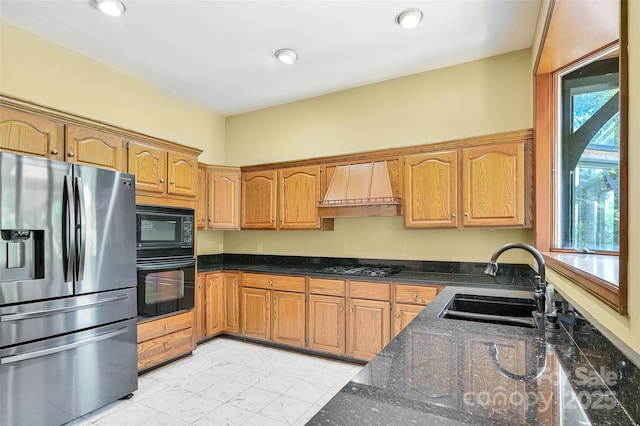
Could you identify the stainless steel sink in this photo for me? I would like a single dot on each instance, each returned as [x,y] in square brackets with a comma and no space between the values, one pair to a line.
[491,309]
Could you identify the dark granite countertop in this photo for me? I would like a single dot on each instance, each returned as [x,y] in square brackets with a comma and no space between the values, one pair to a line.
[510,276]
[447,371]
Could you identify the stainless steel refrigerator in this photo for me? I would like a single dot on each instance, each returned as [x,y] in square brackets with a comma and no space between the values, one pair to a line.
[67,289]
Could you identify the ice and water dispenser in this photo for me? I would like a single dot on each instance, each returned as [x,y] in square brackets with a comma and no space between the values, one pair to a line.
[21,254]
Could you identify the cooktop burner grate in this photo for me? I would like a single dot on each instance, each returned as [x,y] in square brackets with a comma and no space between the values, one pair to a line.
[362,270]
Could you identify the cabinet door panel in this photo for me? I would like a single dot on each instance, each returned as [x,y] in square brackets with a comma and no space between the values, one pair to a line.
[231,304]
[95,148]
[369,327]
[327,324]
[493,182]
[199,309]
[289,317]
[223,209]
[259,200]
[28,134]
[213,304]
[256,313]
[403,315]
[182,173]
[149,164]
[431,190]
[299,196]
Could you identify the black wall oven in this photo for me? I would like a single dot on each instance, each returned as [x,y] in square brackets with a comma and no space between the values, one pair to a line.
[166,265]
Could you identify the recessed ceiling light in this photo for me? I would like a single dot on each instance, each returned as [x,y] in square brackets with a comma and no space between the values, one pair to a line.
[287,56]
[410,18]
[111,7]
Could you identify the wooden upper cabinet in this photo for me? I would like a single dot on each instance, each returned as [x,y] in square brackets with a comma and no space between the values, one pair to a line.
[28,134]
[149,164]
[431,190]
[223,195]
[95,148]
[299,194]
[162,172]
[259,200]
[494,185]
[182,174]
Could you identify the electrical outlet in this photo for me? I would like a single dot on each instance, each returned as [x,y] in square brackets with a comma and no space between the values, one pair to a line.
[220,247]
[259,248]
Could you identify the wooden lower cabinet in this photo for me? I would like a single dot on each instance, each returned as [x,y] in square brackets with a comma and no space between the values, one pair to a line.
[256,313]
[369,327]
[213,304]
[327,331]
[289,318]
[403,315]
[164,339]
[410,300]
[231,303]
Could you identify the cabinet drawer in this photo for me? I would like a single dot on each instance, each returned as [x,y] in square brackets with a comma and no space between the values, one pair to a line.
[328,287]
[163,326]
[370,290]
[275,282]
[418,294]
[165,348]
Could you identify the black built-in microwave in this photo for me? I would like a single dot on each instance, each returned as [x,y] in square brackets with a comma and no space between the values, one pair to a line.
[164,232]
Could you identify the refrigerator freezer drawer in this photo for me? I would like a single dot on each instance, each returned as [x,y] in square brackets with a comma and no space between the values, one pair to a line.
[39,320]
[53,381]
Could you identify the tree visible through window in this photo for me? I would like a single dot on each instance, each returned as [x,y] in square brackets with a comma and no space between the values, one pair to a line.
[589,167]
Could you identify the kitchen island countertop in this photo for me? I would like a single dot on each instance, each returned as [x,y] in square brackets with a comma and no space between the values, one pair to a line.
[448,371]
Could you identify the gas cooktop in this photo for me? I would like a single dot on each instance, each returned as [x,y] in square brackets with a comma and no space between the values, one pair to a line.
[362,270]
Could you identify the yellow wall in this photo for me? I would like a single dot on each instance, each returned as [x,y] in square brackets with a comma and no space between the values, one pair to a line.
[476,98]
[34,69]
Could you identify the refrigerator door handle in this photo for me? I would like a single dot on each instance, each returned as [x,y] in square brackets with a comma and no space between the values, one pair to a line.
[81,228]
[35,314]
[43,352]
[68,240]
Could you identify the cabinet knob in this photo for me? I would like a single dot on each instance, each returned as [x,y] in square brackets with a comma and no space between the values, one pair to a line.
[235,281]
[200,286]
[172,182]
[397,315]
[208,284]
[280,219]
[273,219]
[54,151]
[71,154]
[166,326]
[166,345]
[270,282]
[350,309]
[466,214]
[162,180]
[414,296]
[454,215]
[340,309]
[266,299]
[274,301]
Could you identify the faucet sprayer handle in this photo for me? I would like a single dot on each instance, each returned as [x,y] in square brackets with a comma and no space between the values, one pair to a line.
[491,269]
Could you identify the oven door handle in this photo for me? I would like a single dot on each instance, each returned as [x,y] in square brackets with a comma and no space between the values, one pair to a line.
[168,265]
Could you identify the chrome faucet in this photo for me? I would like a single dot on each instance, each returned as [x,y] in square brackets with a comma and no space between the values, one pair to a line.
[540,283]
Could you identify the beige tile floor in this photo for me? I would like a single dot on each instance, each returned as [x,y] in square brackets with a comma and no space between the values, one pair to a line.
[227,382]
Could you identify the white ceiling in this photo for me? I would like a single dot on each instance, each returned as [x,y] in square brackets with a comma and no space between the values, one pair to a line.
[220,54]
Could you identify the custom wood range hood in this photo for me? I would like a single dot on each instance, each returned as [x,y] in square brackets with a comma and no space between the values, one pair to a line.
[359,190]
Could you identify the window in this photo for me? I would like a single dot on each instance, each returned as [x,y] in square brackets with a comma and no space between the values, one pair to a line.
[581,146]
[588,157]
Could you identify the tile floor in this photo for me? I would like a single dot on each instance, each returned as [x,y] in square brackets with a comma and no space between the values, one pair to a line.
[227,382]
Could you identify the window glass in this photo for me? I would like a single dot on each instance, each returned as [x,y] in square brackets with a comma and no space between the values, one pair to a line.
[588,176]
